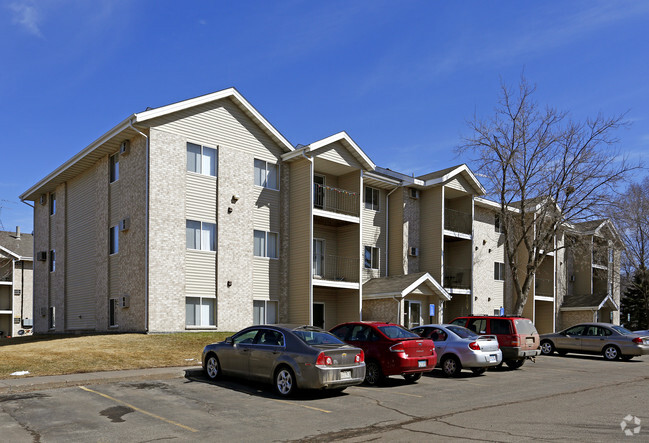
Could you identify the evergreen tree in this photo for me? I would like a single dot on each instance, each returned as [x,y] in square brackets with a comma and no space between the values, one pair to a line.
[635,302]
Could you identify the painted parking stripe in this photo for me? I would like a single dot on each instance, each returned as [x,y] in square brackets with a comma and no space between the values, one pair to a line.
[135,408]
[391,392]
[303,406]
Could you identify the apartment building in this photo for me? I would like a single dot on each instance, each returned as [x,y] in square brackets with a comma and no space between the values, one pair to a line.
[16,278]
[200,215]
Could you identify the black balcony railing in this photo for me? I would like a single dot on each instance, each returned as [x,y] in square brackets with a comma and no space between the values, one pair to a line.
[457,221]
[336,200]
[457,278]
[335,268]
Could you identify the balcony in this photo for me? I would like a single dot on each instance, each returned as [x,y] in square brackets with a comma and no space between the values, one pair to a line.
[339,201]
[337,269]
[600,259]
[544,287]
[457,221]
[457,278]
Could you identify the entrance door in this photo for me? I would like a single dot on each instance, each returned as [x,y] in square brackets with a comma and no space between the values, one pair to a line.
[318,257]
[412,311]
[318,191]
[319,315]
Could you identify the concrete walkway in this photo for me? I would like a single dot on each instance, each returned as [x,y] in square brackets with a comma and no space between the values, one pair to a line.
[19,384]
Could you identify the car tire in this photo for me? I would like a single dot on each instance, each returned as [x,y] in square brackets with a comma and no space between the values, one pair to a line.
[611,352]
[451,366]
[213,367]
[627,357]
[515,364]
[284,381]
[478,371]
[412,378]
[547,348]
[373,373]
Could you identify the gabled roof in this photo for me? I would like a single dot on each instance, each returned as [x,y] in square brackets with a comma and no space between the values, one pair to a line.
[437,178]
[588,302]
[598,228]
[109,142]
[401,286]
[344,139]
[19,248]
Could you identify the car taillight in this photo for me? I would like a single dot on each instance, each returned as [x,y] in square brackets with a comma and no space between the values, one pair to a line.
[515,341]
[359,358]
[475,346]
[324,360]
[637,340]
[397,348]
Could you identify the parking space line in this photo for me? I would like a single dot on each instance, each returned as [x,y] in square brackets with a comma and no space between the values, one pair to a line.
[303,406]
[135,408]
[392,392]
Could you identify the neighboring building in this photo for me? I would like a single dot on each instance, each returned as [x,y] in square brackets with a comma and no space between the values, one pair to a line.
[16,278]
[200,215]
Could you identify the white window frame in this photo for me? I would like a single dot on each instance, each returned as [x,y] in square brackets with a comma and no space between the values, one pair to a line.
[375,255]
[499,271]
[113,240]
[52,203]
[374,203]
[266,174]
[265,307]
[200,161]
[265,247]
[52,262]
[324,248]
[201,239]
[201,325]
[113,173]
[408,311]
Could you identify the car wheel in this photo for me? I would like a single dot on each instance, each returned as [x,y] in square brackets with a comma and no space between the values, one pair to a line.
[611,352]
[212,367]
[412,378]
[515,364]
[547,348]
[478,371]
[285,381]
[627,357]
[373,373]
[451,366]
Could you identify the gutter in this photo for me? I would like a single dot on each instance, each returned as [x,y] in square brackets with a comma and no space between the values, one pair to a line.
[146,237]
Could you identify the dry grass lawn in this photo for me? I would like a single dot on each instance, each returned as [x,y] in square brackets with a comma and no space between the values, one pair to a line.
[57,355]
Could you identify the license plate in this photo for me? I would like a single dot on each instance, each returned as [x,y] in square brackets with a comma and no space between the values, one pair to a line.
[530,341]
[345,375]
[422,363]
[492,358]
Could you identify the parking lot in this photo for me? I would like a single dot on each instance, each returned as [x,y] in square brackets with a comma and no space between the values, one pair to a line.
[557,398]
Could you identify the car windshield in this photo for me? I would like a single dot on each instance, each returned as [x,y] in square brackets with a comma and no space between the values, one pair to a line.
[621,330]
[525,326]
[461,331]
[317,337]
[396,331]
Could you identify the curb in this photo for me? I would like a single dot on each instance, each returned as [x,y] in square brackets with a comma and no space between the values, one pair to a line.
[30,384]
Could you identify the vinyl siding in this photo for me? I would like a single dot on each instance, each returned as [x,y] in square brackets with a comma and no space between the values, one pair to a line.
[80,269]
[337,153]
[460,184]
[398,239]
[200,280]
[200,197]
[374,235]
[431,232]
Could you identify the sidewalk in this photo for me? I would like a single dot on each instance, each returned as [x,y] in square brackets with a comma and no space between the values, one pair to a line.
[27,384]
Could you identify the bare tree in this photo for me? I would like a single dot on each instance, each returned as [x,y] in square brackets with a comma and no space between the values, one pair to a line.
[546,170]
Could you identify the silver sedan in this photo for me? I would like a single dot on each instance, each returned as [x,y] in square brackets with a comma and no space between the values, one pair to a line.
[290,357]
[609,340]
[459,347]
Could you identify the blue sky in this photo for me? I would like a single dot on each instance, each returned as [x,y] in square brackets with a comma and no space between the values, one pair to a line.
[400,77]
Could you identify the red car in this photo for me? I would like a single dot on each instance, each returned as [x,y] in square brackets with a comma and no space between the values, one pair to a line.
[389,349]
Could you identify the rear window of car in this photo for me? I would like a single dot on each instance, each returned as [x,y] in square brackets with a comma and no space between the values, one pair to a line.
[621,330]
[317,338]
[461,332]
[395,331]
[525,326]
[459,321]
[500,326]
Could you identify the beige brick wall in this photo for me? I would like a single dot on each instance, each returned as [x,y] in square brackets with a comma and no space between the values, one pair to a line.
[488,248]
[381,310]
[570,318]
[41,278]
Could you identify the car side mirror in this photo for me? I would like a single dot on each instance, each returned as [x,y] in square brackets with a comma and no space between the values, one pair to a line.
[229,340]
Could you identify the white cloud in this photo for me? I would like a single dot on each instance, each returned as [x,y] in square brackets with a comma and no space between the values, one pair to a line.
[26,16]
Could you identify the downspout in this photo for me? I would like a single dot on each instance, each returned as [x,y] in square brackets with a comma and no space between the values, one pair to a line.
[146,237]
[310,160]
[387,229]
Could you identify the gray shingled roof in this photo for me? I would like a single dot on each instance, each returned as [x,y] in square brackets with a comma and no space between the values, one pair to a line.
[23,247]
[438,174]
[583,301]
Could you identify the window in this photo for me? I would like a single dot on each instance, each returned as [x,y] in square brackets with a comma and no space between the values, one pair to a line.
[371,257]
[52,204]
[201,235]
[112,312]
[266,244]
[266,174]
[499,326]
[201,159]
[114,240]
[200,311]
[264,312]
[51,324]
[497,224]
[499,271]
[269,337]
[372,198]
[52,260]
[114,168]
[412,314]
